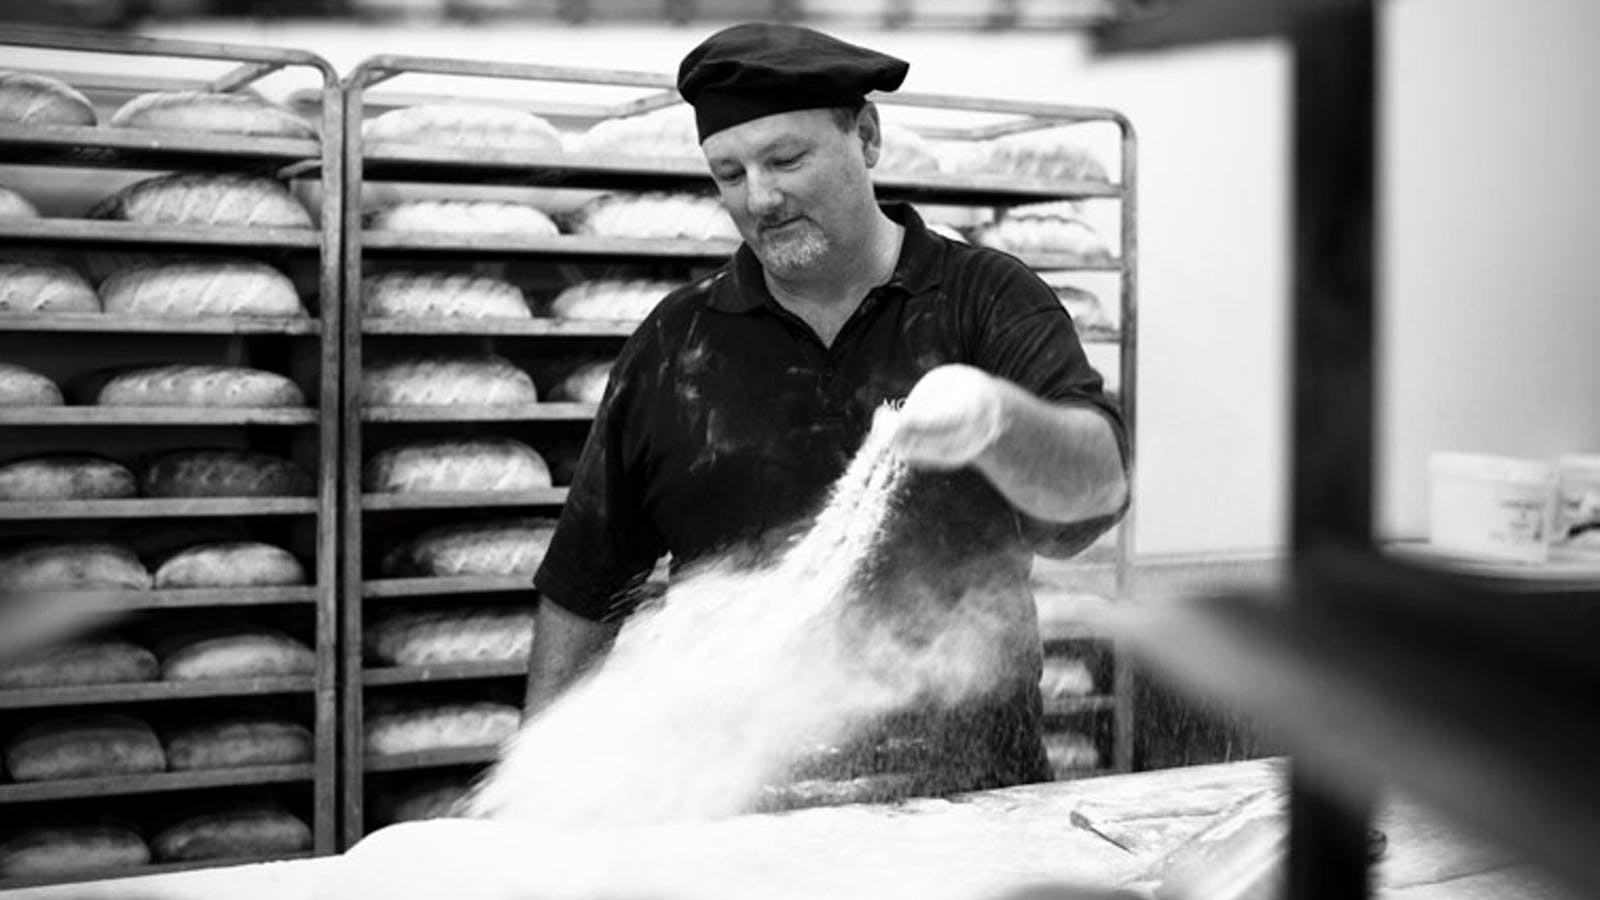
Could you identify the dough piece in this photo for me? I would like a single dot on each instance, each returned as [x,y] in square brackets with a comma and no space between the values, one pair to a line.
[233,651]
[233,287]
[24,387]
[585,384]
[103,660]
[224,473]
[457,635]
[464,125]
[71,850]
[29,99]
[457,464]
[212,112]
[191,199]
[439,727]
[91,746]
[1088,315]
[72,566]
[447,381]
[66,477]
[238,742]
[438,797]
[44,287]
[464,217]
[1047,157]
[230,564]
[663,134]
[15,206]
[611,299]
[246,829]
[905,151]
[1070,752]
[434,295]
[200,386]
[505,547]
[1045,234]
[660,216]
[1065,677]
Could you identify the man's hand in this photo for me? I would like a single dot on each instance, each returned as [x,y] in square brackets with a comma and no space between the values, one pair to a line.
[951,417]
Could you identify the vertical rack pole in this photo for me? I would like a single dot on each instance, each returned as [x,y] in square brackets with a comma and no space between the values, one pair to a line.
[1123,676]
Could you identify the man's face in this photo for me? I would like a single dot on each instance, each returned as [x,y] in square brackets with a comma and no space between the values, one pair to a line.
[796,185]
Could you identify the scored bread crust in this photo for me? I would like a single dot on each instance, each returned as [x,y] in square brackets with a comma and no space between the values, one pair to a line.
[433,637]
[903,150]
[655,216]
[44,287]
[1045,234]
[615,299]
[21,386]
[230,564]
[667,133]
[464,217]
[504,547]
[30,99]
[66,476]
[210,111]
[1030,156]
[237,742]
[103,660]
[584,384]
[72,566]
[436,797]
[456,464]
[71,849]
[242,829]
[463,125]
[431,295]
[195,199]
[447,381]
[200,386]
[85,746]
[224,473]
[234,651]
[440,726]
[15,206]
[201,288]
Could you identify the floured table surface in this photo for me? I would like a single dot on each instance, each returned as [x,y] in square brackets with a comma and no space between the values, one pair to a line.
[991,845]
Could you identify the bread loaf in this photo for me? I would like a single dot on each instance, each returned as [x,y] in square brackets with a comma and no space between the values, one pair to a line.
[462,125]
[456,464]
[238,742]
[438,797]
[72,566]
[44,287]
[1043,156]
[611,299]
[202,386]
[1065,677]
[15,206]
[659,216]
[584,384]
[77,476]
[447,381]
[464,217]
[91,746]
[663,134]
[506,547]
[233,651]
[241,829]
[29,99]
[903,150]
[435,295]
[439,727]
[224,473]
[210,111]
[232,287]
[1070,752]
[1045,234]
[458,635]
[191,199]
[93,660]
[230,564]
[38,852]
[24,387]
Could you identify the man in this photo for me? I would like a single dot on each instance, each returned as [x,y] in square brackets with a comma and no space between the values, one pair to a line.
[739,401]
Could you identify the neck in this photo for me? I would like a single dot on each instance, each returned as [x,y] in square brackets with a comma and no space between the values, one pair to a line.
[849,272]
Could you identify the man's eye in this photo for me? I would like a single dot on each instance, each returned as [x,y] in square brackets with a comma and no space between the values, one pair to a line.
[728,176]
[787,162]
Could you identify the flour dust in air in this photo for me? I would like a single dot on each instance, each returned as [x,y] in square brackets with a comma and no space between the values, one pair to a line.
[719,688]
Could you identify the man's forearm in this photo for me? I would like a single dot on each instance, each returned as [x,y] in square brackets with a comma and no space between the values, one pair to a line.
[1055,462]
[564,646]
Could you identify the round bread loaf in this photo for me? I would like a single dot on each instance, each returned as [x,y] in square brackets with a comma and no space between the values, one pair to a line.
[463,125]
[92,746]
[205,386]
[658,216]
[1045,234]
[667,133]
[44,287]
[230,564]
[447,381]
[611,299]
[440,727]
[15,206]
[431,637]
[456,464]
[233,651]
[72,566]
[192,199]
[20,386]
[210,111]
[433,295]
[1046,156]
[29,99]
[75,476]
[1066,677]
[245,829]
[506,547]
[71,850]
[232,287]
[584,384]
[98,660]
[903,150]
[224,473]
[438,797]
[464,217]
[238,742]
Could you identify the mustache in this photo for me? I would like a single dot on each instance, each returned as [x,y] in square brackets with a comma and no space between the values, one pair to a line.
[776,219]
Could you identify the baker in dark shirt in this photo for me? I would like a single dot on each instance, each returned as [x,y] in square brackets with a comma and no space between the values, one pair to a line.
[740,400]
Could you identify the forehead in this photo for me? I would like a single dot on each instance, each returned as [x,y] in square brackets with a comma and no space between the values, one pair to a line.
[757,134]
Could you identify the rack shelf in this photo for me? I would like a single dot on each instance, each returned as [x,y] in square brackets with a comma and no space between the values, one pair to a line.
[432,759]
[500,328]
[379,677]
[156,415]
[129,148]
[155,782]
[145,691]
[1067,707]
[187,598]
[118,323]
[461,584]
[533,412]
[563,246]
[40,510]
[459,499]
[96,232]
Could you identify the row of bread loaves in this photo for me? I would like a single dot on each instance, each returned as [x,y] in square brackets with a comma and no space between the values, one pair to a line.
[102,745]
[211,652]
[189,198]
[479,380]
[177,289]
[180,385]
[642,216]
[198,473]
[106,565]
[28,98]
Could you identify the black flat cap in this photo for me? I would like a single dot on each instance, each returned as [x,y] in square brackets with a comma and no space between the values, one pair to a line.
[749,71]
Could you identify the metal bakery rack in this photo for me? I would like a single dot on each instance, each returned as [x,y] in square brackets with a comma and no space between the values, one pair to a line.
[55,166]
[574,99]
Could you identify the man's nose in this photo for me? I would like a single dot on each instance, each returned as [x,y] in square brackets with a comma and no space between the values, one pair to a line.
[763,197]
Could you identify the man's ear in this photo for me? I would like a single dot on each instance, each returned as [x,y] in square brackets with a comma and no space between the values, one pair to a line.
[870,131]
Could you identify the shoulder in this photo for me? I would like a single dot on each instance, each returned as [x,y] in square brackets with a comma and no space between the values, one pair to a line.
[985,275]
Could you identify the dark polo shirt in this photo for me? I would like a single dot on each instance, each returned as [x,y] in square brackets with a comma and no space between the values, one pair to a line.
[727,419]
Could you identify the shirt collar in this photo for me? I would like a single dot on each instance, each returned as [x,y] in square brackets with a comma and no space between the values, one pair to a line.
[918,269]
